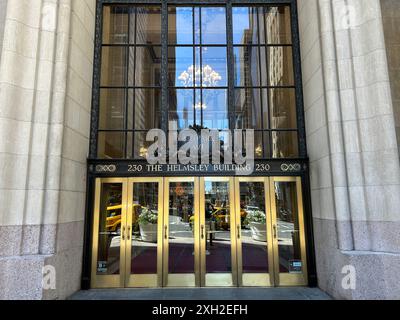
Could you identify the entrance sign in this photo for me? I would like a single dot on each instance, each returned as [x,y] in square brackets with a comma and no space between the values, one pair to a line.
[122,168]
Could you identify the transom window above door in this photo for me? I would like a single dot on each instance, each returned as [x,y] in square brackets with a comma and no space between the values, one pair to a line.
[215,66]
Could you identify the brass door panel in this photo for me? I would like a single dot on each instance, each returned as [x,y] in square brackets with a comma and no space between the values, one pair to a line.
[181,265]
[290,264]
[144,241]
[109,221]
[254,237]
[217,232]
[198,232]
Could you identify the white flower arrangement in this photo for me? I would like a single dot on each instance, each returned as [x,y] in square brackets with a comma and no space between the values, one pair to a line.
[147,217]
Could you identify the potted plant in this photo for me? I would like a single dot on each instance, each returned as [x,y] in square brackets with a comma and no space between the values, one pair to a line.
[257,222]
[148,225]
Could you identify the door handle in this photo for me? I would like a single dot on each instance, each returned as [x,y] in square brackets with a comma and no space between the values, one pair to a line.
[166,232]
[275,233]
[238,231]
[129,233]
[202,231]
[123,233]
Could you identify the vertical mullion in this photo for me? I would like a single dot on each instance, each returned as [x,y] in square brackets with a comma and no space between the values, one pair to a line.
[95,114]
[260,79]
[134,85]
[127,49]
[267,84]
[201,64]
[164,67]
[301,130]
[194,64]
[230,67]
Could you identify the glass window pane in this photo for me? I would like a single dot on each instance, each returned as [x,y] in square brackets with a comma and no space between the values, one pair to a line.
[148,25]
[181,68]
[247,66]
[260,145]
[215,109]
[147,109]
[282,104]
[254,227]
[280,66]
[110,218]
[148,64]
[111,145]
[263,66]
[113,66]
[213,25]
[197,28]
[144,228]
[215,70]
[115,24]
[289,247]
[140,145]
[181,106]
[285,144]
[180,25]
[217,227]
[248,109]
[112,109]
[278,25]
[181,223]
[245,25]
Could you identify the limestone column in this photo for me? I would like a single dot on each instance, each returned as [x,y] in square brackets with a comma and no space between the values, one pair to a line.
[44,124]
[352,145]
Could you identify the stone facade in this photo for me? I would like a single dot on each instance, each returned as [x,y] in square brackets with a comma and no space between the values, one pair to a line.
[45,99]
[391,23]
[3,6]
[352,146]
[351,109]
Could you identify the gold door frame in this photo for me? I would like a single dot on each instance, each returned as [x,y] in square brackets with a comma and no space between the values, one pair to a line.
[255,279]
[144,280]
[287,279]
[181,280]
[199,278]
[108,281]
[218,279]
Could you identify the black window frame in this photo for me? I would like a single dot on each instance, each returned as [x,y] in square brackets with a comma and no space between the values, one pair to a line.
[229,4]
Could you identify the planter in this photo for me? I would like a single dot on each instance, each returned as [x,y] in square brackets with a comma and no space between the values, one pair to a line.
[258,231]
[148,232]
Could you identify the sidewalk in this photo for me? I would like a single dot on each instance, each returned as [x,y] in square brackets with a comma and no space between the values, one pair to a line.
[204,294]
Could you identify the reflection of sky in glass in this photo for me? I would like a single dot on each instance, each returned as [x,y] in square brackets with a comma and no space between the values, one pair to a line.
[213,25]
[183,113]
[241,23]
[216,58]
[215,116]
[183,60]
[184,25]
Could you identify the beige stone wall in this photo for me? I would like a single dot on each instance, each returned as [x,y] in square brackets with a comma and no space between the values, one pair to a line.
[45,99]
[3,8]
[391,26]
[350,125]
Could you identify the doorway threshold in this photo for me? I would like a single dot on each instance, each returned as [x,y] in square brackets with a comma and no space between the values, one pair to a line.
[292,293]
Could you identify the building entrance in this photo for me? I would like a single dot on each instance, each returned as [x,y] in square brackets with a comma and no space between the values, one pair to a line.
[198,232]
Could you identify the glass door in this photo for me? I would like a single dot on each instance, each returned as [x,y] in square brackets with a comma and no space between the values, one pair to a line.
[109,221]
[290,264]
[144,233]
[181,233]
[217,232]
[254,238]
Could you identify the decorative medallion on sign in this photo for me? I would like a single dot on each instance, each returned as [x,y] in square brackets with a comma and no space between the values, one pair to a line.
[106,168]
[291,167]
